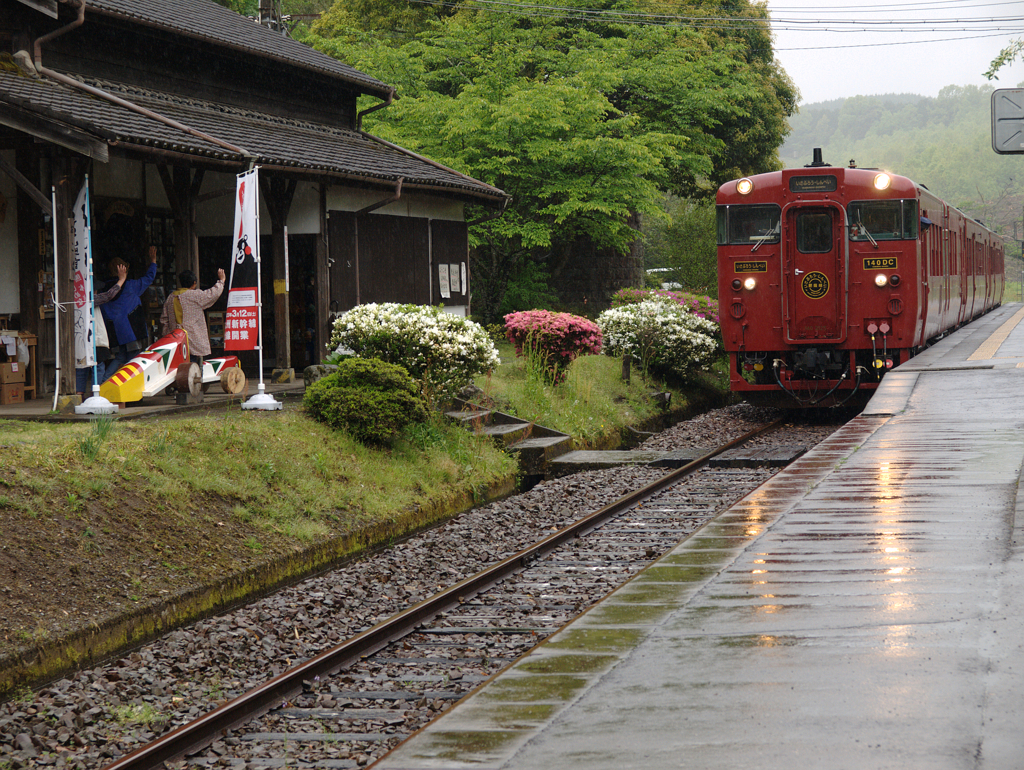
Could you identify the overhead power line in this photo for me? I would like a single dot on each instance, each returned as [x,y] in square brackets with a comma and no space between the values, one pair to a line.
[1001,24]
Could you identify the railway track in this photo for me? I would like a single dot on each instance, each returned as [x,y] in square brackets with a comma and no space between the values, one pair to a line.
[350,704]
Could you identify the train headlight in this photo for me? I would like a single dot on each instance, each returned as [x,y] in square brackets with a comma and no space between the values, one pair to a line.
[744,187]
[881,280]
[882,181]
[749,284]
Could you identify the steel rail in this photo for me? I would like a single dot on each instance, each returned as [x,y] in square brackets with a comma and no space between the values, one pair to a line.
[200,733]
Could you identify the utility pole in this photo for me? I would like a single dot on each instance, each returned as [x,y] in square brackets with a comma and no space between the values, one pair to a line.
[271,16]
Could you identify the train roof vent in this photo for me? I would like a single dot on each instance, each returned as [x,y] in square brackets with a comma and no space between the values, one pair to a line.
[817,159]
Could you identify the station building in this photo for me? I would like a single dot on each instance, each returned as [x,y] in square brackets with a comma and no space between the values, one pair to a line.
[156,105]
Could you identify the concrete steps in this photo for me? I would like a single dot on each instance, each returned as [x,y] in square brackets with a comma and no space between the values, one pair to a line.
[536,445]
[545,453]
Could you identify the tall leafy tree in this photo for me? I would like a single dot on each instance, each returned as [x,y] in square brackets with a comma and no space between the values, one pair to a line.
[583,115]
[244,7]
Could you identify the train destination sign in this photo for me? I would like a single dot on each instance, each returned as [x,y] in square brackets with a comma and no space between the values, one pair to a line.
[817,183]
[880,263]
[751,267]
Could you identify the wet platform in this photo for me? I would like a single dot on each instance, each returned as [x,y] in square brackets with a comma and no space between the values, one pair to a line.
[863,609]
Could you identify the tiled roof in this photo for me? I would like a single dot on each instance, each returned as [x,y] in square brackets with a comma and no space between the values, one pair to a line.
[313,147]
[215,24]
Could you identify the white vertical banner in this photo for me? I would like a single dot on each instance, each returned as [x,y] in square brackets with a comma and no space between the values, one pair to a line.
[242,322]
[81,270]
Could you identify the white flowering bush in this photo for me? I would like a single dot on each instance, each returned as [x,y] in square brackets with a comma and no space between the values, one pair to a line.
[443,352]
[662,335]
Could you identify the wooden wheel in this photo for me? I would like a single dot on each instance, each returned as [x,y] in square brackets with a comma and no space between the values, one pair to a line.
[232,380]
[188,378]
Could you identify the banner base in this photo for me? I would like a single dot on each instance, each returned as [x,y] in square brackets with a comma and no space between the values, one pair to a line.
[96,404]
[262,401]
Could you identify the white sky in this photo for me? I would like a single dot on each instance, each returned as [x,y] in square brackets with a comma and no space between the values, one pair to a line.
[840,48]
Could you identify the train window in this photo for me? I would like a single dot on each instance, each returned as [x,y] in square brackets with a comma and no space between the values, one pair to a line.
[748,224]
[814,232]
[883,220]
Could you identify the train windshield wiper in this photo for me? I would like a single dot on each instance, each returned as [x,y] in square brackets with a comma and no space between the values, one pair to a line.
[767,236]
[864,231]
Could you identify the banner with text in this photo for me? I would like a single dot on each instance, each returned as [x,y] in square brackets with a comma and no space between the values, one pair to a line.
[81,270]
[242,322]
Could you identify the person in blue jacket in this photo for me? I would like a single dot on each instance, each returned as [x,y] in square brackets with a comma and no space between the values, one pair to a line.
[124,341]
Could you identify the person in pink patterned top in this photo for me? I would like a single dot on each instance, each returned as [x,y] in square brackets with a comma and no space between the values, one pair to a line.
[184,310]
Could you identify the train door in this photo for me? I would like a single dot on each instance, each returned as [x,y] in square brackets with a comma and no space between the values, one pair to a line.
[955,273]
[945,311]
[814,274]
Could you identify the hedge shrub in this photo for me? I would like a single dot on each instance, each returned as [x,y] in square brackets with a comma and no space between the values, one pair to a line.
[370,399]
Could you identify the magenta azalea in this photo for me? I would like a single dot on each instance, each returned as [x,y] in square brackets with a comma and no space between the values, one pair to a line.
[555,338]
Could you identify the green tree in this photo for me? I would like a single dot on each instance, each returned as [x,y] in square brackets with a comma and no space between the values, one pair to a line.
[684,246]
[1008,55]
[582,118]
[244,7]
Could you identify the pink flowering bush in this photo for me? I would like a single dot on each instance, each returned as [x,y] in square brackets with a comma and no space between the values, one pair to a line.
[700,306]
[553,340]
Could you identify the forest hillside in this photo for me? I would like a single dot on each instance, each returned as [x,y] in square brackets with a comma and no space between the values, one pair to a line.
[943,143]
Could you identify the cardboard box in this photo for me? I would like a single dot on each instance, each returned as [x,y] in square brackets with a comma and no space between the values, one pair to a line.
[12,393]
[12,372]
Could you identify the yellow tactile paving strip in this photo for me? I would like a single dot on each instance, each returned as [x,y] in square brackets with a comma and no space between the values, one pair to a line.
[989,347]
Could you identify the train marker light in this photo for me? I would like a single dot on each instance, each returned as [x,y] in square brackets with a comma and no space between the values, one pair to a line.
[744,186]
[881,279]
[882,181]
[894,280]
[749,284]
[737,284]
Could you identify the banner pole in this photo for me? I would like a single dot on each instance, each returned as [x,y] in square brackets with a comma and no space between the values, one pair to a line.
[261,400]
[54,294]
[95,404]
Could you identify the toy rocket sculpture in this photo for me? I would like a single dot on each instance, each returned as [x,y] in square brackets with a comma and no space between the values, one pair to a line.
[166,362]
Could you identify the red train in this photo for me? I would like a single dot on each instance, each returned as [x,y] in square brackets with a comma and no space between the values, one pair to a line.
[829,276]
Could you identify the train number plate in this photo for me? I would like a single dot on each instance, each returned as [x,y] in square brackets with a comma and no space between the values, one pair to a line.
[751,267]
[880,263]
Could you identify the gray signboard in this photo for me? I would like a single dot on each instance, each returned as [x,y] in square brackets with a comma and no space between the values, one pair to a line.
[1008,121]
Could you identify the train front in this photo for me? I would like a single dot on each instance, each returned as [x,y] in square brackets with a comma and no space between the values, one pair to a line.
[811,270]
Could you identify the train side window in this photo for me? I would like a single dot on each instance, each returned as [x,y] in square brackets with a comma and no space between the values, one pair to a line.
[814,233]
[911,220]
[748,224]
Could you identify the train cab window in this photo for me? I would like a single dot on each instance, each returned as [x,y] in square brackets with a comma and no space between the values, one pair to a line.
[748,225]
[883,220]
[814,232]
